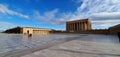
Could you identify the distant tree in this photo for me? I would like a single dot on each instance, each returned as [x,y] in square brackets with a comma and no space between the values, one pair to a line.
[13,30]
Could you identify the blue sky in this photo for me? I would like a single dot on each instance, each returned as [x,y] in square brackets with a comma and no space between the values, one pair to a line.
[54,13]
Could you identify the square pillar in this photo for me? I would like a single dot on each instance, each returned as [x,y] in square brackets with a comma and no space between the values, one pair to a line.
[77,26]
[83,26]
[70,26]
[80,27]
[74,26]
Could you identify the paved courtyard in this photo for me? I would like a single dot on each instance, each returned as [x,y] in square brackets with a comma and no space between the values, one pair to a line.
[87,46]
[60,45]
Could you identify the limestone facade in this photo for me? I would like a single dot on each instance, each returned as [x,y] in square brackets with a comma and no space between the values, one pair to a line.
[28,30]
[78,25]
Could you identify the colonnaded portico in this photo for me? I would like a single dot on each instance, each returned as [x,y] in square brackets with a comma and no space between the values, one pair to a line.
[78,25]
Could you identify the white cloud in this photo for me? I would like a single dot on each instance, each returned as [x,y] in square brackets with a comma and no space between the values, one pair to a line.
[106,13]
[46,15]
[89,7]
[6,25]
[5,10]
[105,23]
[102,11]
[49,17]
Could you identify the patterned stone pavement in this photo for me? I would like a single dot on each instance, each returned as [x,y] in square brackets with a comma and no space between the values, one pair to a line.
[88,46]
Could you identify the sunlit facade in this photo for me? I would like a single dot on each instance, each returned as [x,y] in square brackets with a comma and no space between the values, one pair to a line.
[78,25]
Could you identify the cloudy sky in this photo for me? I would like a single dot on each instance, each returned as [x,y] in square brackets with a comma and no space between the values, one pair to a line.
[54,13]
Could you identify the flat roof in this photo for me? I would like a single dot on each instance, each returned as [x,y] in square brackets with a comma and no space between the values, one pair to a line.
[87,19]
[38,28]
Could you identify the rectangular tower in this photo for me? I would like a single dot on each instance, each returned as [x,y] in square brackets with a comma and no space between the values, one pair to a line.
[78,25]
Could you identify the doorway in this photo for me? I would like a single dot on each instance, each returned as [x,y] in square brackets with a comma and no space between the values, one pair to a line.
[27,31]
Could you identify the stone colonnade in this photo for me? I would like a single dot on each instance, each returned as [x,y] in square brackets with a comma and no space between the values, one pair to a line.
[78,25]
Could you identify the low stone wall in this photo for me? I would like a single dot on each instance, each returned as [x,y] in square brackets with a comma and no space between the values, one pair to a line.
[104,31]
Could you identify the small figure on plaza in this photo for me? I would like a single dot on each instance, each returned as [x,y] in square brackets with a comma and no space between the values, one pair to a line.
[29,35]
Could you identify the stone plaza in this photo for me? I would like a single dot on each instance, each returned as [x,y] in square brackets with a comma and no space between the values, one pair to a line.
[64,45]
[87,46]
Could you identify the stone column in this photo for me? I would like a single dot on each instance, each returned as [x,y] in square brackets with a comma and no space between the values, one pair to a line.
[85,26]
[74,27]
[88,25]
[81,25]
[69,26]
[77,26]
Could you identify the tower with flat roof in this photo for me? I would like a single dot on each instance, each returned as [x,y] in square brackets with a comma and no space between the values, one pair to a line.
[78,25]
